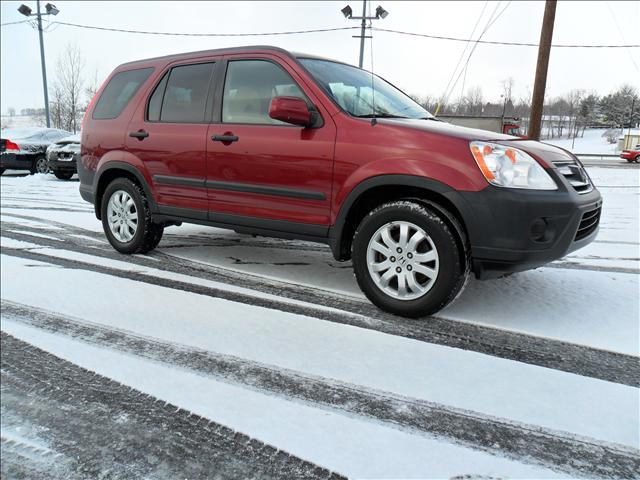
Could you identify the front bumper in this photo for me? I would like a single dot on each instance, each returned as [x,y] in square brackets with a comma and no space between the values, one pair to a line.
[513,230]
[12,161]
[62,161]
[63,166]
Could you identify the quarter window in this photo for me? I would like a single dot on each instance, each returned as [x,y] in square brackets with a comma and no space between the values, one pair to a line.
[181,96]
[118,92]
[249,88]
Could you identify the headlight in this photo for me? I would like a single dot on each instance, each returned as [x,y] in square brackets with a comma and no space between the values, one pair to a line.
[510,167]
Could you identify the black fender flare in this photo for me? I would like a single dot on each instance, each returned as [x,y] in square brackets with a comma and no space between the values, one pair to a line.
[113,165]
[336,231]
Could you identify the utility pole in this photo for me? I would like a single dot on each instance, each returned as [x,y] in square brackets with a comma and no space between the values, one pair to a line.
[348,13]
[544,49]
[633,104]
[51,10]
[44,69]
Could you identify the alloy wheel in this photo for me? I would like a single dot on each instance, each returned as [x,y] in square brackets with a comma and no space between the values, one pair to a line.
[42,166]
[402,260]
[122,216]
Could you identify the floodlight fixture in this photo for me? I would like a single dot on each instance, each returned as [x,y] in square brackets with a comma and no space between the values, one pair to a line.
[381,12]
[24,10]
[53,10]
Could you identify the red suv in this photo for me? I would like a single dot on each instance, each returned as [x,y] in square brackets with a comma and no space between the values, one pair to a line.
[268,142]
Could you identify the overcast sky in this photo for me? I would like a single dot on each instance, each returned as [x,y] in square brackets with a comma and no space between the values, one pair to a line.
[419,66]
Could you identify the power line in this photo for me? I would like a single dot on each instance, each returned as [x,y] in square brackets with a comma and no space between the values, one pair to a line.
[492,19]
[321,30]
[13,23]
[178,34]
[446,89]
[621,35]
[490,42]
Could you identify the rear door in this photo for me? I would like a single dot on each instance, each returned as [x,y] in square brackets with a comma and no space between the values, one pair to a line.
[274,170]
[169,135]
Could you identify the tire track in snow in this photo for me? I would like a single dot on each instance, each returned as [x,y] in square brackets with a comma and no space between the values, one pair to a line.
[182,241]
[106,428]
[560,451]
[550,353]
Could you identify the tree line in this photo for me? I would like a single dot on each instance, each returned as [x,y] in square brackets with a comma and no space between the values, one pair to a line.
[566,115]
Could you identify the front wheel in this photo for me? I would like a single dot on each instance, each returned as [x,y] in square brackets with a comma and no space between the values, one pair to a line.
[407,260]
[126,218]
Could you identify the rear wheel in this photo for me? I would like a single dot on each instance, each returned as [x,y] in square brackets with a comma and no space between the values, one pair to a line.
[63,175]
[126,218]
[637,158]
[407,260]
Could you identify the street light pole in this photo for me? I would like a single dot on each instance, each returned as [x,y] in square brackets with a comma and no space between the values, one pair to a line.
[51,10]
[362,30]
[348,13]
[44,68]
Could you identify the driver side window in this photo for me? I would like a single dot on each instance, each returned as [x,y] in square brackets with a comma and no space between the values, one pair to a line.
[249,87]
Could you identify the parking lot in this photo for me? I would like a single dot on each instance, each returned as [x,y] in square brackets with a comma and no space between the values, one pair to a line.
[261,357]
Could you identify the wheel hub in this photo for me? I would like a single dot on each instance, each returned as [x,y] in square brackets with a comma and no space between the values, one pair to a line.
[402,260]
[122,216]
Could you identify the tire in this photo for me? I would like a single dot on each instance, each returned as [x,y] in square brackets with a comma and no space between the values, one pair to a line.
[40,165]
[637,158]
[63,175]
[2,171]
[439,251]
[146,236]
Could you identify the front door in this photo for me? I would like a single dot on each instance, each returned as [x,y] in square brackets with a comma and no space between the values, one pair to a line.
[169,135]
[260,167]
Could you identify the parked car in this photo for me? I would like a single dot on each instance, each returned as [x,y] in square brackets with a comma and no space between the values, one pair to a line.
[62,156]
[631,154]
[268,142]
[25,148]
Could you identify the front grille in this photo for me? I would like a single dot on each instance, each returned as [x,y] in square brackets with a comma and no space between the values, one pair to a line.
[575,175]
[588,223]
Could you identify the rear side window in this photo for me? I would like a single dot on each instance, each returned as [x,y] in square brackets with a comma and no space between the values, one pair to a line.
[181,96]
[118,92]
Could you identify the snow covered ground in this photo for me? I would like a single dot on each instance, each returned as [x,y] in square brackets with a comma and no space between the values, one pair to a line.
[591,142]
[531,376]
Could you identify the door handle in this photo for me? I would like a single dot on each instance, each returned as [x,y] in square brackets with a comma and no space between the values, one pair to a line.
[140,134]
[225,138]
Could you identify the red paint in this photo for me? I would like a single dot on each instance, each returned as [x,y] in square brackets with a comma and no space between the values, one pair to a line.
[290,109]
[630,154]
[330,160]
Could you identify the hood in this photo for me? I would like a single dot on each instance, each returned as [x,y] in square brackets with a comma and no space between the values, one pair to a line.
[544,151]
[70,139]
[439,127]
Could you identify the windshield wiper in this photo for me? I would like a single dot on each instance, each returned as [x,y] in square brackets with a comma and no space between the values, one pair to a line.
[379,115]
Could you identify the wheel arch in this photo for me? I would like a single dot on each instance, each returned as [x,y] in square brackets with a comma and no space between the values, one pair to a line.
[116,169]
[375,191]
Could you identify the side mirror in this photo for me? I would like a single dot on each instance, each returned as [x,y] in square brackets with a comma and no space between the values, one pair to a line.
[292,110]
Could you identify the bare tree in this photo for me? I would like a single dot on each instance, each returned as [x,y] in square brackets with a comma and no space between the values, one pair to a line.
[92,87]
[507,89]
[68,88]
[472,103]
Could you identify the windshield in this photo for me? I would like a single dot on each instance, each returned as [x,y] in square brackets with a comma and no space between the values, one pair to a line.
[351,88]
